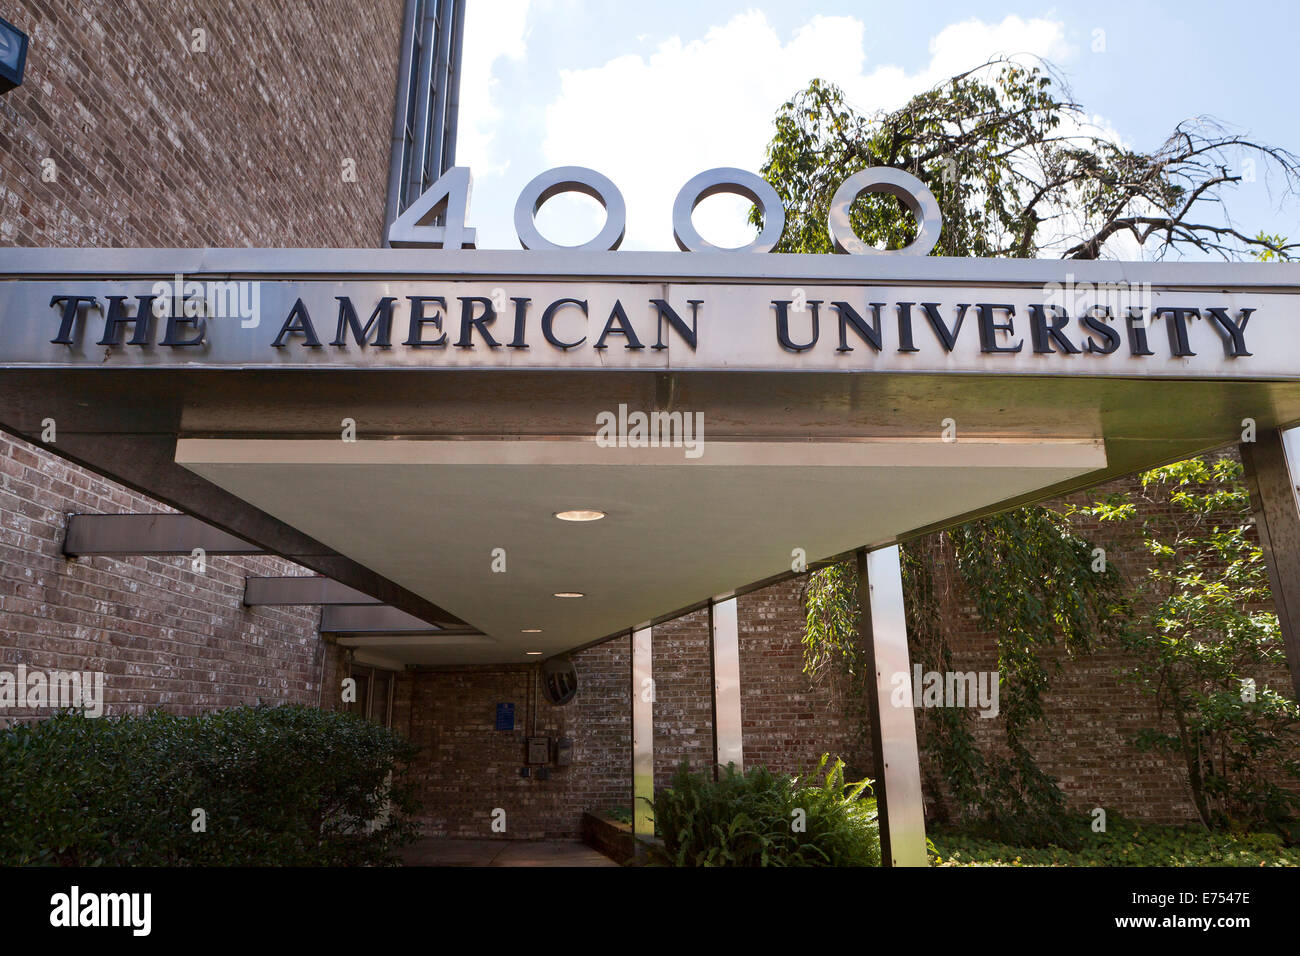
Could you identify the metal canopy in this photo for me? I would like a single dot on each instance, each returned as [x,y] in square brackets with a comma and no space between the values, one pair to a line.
[463,450]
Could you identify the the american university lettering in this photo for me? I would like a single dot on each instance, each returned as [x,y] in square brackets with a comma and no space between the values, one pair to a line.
[439,321]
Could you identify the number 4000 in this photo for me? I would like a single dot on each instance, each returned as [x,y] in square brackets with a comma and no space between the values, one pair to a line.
[437,218]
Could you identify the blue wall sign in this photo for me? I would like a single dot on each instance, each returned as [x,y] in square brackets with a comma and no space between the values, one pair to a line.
[505,716]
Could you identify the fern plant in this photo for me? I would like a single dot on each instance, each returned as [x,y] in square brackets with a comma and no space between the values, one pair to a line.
[759,818]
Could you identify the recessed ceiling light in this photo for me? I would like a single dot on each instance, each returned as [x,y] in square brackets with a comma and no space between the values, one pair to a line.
[580,515]
[531,630]
[569,594]
[532,653]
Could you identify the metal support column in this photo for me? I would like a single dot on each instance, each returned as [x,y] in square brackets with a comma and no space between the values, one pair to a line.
[882,632]
[1272,486]
[643,753]
[724,647]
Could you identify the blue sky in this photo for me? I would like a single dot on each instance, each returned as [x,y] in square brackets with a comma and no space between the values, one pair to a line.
[650,94]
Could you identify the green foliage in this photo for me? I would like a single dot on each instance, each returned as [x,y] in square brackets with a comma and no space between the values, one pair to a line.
[1207,627]
[1123,844]
[1017,169]
[621,814]
[286,785]
[1273,248]
[1059,597]
[831,621]
[961,138]
[766,819]
[1010,160]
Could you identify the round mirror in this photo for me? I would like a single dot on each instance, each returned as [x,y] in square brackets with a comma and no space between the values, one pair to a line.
[559,680]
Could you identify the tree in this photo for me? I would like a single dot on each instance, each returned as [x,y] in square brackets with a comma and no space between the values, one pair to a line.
[1018,172]
[1205,639]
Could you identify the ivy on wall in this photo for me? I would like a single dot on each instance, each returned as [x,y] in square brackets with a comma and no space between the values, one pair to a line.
[1037,585]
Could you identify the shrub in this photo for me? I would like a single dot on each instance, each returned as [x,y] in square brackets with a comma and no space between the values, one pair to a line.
[286,785]
[1125,843]
[1206,631]
[766,819]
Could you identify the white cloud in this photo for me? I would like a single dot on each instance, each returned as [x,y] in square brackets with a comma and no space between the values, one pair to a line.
[497,28]
[652,122]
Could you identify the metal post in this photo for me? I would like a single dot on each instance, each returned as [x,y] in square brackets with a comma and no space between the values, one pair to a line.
[882,632]
[643,754]
[1273,491]
[724,645]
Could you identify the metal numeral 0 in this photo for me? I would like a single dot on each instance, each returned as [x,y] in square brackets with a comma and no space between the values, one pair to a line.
[564,179]
[725,179]
[895,182]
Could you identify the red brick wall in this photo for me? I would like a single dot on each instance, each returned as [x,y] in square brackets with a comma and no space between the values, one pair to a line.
[467,768]
[242,145]
[683,706]
[1092,712]
[164,634]
[155,145]
[788,718]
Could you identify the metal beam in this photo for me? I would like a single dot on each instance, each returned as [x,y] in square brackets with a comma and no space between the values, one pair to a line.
[882,631]
[148,534]
[643,750]
[1272,484]
[724,658]
[376,619]
[304,589]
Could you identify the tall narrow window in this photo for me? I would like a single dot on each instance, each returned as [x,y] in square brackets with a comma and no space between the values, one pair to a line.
[428,100]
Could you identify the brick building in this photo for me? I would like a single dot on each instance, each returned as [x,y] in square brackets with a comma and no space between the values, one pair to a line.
[178,125]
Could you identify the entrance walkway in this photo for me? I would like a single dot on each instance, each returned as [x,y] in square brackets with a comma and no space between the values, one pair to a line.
[439,851]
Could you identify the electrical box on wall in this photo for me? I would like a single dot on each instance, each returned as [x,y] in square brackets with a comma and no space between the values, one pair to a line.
[539,749]
[563,751]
